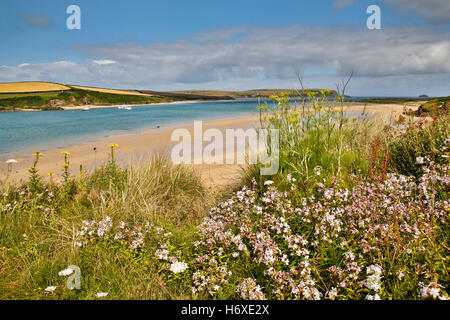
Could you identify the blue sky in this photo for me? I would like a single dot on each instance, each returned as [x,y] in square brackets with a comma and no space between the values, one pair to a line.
[199,44]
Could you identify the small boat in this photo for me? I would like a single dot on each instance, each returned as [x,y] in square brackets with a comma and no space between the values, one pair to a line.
[124,107]
[86,109]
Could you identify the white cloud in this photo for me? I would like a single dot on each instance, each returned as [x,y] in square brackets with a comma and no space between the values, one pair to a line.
[278,52]
[266,57]
[103,62]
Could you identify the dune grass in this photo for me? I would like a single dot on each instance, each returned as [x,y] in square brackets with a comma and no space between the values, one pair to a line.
[38,223]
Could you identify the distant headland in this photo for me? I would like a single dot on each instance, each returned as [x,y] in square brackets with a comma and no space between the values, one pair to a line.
[38,95]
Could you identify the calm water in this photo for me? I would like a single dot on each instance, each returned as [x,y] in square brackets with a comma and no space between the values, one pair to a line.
[52,129]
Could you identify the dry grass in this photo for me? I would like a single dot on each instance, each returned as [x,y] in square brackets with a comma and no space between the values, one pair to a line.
[37,236]
[32,86]
[40,86]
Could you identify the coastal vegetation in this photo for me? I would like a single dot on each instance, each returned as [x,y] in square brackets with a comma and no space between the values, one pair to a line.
[434,107]
[51,96]
[358,210]
[72,97]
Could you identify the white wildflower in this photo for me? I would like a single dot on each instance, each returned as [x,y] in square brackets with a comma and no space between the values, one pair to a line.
[373,282]
[65,272]
[178,267]
[318,170]
[332,294]
[268,183]
[50,289]
[101,294]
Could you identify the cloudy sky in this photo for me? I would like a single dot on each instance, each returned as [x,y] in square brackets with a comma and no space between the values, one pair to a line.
[232,44]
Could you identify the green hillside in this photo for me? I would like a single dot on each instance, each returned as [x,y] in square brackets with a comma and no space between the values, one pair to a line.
[74,97]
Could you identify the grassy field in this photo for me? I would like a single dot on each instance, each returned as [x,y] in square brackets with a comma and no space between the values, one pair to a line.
[31,86]
[51,95]
[358,210]
[188,96]
[121,92]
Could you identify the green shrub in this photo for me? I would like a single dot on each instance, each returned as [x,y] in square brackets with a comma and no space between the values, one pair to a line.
[421,140]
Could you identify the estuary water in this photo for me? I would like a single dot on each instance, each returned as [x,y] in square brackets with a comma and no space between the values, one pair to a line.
[45,130]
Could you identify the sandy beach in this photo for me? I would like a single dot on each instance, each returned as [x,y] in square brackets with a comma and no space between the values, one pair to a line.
[385,110]
[133,148]
[136,147]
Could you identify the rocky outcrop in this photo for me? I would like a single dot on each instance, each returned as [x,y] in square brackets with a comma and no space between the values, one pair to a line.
[56,103]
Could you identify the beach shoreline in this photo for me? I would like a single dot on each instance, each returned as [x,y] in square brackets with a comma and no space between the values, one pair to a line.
[93,106]
[133,148]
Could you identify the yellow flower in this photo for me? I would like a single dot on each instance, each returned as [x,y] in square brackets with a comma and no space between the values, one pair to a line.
[294,119]
[114,145]
[262,107]
[38,154]
[65,165]
[51,174]
[66,153]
